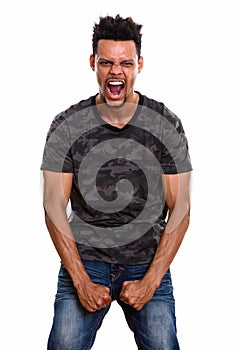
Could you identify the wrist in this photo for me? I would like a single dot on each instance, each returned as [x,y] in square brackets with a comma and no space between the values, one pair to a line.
[80,279]
[151,280]
[82,283]
[78,274]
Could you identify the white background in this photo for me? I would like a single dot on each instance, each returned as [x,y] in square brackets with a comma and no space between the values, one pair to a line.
[188,52]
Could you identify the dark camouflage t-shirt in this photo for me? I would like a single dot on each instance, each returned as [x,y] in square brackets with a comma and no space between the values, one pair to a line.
[118,210]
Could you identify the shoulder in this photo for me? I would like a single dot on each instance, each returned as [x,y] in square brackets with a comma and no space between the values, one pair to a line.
[61,119]
[151,104]
[162,109]
[67,113]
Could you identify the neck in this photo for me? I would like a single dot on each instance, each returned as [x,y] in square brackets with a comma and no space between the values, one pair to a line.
[117,116]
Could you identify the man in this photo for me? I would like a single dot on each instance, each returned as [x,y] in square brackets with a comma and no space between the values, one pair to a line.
[122,161]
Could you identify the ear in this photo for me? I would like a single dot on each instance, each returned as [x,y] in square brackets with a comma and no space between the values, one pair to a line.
[140,63]
[92,62]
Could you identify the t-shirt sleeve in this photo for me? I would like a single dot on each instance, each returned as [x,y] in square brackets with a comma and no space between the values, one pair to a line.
[175,156]
[57,151]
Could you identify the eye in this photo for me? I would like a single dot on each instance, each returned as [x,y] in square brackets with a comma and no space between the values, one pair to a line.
[105,63]
[127,63]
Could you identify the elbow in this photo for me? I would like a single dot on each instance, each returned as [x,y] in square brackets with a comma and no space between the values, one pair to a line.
[47,214]
[187,217]
[47,207]
[54,209]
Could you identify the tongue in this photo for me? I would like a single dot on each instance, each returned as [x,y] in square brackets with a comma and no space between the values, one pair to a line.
[115,89]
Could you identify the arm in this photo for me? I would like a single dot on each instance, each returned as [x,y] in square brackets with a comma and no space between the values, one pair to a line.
[177,193]
[57,189]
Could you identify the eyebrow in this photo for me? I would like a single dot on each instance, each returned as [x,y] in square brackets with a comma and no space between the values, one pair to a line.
[105,59]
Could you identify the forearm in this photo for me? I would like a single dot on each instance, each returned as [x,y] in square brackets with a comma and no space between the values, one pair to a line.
[57,191]
[167,249]
[64,242]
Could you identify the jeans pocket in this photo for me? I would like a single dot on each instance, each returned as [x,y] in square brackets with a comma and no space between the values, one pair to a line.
[65,285]
[98,272]
[165,290]
[136,272]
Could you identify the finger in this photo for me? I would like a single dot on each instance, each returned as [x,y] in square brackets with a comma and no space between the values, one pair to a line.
[124,292]
[125,284]
[107,299]
[90,308]
[126,299]
[137,306]
[100,303]
[122,296]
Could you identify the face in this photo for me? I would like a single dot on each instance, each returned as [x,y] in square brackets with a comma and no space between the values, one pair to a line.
[116,65]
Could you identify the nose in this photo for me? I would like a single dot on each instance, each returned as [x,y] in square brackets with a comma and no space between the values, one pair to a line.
[116,69]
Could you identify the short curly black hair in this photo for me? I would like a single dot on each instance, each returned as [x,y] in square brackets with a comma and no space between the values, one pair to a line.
[117,28]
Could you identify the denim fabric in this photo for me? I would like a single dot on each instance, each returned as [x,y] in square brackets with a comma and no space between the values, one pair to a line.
[74,328]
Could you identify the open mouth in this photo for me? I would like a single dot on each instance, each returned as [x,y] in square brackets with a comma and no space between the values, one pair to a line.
[115,87]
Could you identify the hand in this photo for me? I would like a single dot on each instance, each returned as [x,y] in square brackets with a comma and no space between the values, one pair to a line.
[93,296]
[136,293]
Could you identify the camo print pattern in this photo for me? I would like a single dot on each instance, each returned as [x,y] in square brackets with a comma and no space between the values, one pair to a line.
[115,179]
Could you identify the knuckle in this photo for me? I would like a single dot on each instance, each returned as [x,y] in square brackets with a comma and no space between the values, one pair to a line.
[99,302]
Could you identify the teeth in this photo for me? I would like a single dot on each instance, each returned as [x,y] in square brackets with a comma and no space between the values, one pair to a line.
[115,83]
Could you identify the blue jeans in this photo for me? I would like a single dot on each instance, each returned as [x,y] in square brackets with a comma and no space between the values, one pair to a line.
[74,328]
